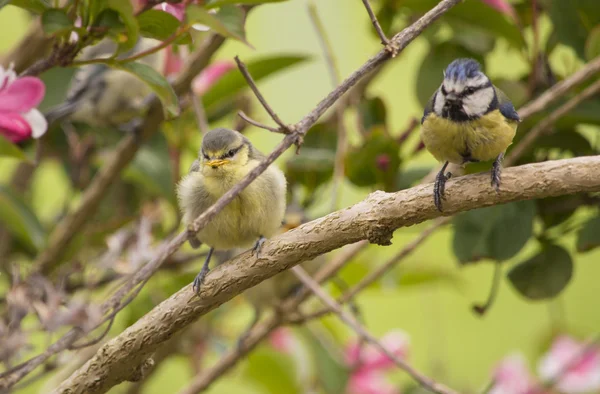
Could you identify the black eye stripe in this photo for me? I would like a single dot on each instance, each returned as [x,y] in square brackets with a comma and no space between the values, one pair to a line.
[472,89]
[231,152]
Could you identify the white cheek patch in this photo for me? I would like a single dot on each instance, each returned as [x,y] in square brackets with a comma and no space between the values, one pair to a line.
[477,103]
[479,80]
[438,103]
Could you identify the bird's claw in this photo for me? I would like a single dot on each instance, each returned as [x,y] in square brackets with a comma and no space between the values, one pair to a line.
[497,173]
[258,246]
[199,279]
[439,188]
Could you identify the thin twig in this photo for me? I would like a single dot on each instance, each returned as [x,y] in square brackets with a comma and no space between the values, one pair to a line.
[285,129]
[334,75]
[347,318]
[527,142]
[253,122]
[375,22]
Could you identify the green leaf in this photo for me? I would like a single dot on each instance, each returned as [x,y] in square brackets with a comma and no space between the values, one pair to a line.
[35,6]
[110,19]
[3,3]
[592,44]
[426,276]
[20,220]
[218,3]
[332,375]
[56,20]
[233,82]
[155,80]
[157,24]
[372,112]
[125,10]
[272,370]
[497,232]
[8,149]
[544,275]
[573,21]
[376,162]
[197,14]
[478,14]
[234,18]
[566,140]
[588,237]
[555,210]
[430,74]
[151,168]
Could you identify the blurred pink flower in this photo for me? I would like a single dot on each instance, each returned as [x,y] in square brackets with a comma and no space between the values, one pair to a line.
[175,9]
[576,369]
[173,62]
[370,382]
[512,376]
[19,119]
[503,6]
[372,359]
[283,340]
[209,76]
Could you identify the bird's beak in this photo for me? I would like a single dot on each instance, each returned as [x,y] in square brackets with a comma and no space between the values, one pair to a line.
[216,163]
[451,97]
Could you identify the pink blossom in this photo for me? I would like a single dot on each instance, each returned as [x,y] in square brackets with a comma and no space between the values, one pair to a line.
[576,369]
[209,76]
[173,62]
[503,6]
[370,382]
[177,10]
[19,119]
[369,358]
[283,340]
[512,376]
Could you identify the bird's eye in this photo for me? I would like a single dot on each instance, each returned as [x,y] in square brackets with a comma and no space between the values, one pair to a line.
[469,90]
[231,153]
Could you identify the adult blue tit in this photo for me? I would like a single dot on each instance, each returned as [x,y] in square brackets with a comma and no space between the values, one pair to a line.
[466,120]
[100,95]
[225,158]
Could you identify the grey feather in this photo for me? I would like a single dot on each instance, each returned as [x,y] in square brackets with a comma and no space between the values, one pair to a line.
[428,107]
[506,107]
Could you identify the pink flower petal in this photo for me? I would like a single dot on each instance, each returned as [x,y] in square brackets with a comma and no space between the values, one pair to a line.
[577,372]
[14,127]
[173,62]
[397,342]
[512,376]
[22,95]
[282,339]
[503,6]
[177,10]
[370,382]
[37,122]
[209,76]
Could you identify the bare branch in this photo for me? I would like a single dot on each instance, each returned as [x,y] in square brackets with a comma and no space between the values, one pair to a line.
[242,115]
[374,219]
[285,129]
[347,318]
[375,22]
[200,113]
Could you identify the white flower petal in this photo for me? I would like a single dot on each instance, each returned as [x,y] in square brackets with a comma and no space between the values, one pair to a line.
[38,123]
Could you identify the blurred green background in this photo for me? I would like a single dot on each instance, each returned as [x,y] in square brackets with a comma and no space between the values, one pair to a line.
[448,341]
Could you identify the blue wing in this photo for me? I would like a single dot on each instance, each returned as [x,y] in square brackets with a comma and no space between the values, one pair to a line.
[506,107]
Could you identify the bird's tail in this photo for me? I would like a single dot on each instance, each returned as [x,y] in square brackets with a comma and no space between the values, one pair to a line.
[59,112]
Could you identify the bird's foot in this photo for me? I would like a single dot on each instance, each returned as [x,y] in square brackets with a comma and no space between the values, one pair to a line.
[202,274]
[392,48]
[258,246]
[497,172]
[439,188]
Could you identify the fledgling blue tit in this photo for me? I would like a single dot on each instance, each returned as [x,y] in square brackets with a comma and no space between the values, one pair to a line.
[466,120]
[100,95]
[225,158]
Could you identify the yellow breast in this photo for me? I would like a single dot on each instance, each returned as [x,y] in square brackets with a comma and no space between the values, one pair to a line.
[482,139]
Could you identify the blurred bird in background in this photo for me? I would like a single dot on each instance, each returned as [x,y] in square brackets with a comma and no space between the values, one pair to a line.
[466,120]
[103,96]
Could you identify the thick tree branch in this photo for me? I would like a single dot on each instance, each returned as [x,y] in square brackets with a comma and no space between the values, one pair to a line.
[374,219]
